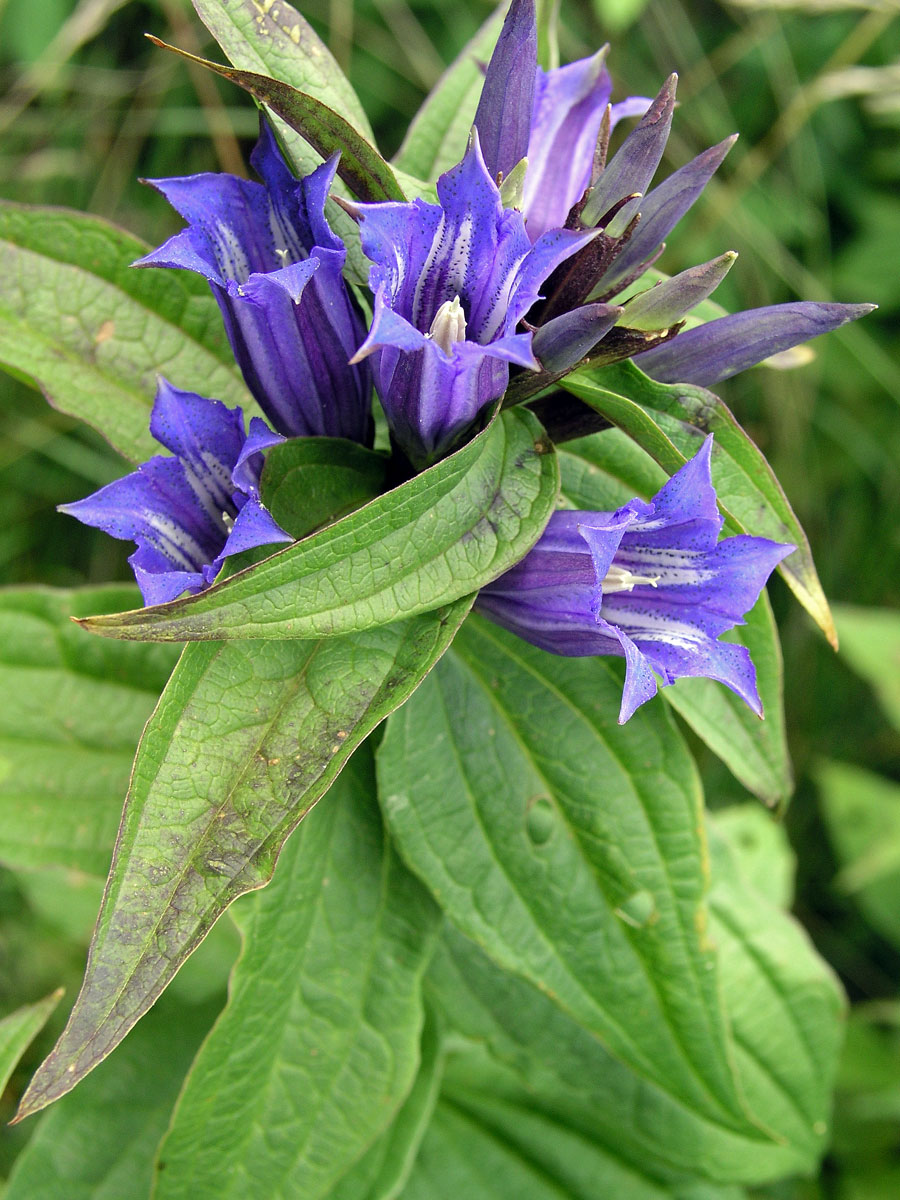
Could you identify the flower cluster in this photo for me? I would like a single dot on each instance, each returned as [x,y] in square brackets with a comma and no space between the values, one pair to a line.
[528,263]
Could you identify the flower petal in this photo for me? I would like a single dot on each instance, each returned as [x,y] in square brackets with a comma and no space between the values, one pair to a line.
[205,435]
[253,526]
[229,232]
[156,507]
[569,106]
[246,471]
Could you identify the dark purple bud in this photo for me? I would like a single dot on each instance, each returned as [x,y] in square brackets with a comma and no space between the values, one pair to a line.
[663,208]
[503,116]
[722,348]
[563,341]
[634,164]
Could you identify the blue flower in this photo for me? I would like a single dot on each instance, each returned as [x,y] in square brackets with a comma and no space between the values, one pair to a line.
[188,513]
[649,582]
[274,267]
[451,281]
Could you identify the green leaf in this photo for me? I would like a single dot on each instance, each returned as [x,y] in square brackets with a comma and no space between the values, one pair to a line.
[602,472]
[494,1136]
[434,539]
[383,1170]
[69,726]
[533,1061]
[310,481]
[361,166]
[18,1031]
[100,1144]
[667,420]
[870,641]
[606,470]
[276,40]
[319,1043]
[761,850]
[862,813]
[245,739]
[569,848]
[530,1057]
[498,1154]
[785,1008]
[94,334]
[754,751]
[436,139]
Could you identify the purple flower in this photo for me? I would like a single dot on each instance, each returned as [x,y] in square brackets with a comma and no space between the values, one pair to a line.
[649,582]
[452,281]
[275,267]
[187,514]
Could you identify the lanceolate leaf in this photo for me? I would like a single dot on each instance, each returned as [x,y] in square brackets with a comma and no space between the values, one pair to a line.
[100,1144]
[436,538]
[361,166]
[72,714]
[319,1043]
[536,1065]
[93,334]
[747,488]
[436,139]
[870,641]
[274,39]
[244,740]
[383,1170]
[19,1029]
[569,848]
[755,751]
[604,471]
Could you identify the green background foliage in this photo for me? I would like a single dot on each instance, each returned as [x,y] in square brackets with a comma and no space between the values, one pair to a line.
[808,199]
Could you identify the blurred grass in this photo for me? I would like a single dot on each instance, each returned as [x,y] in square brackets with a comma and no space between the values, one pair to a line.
[808,197]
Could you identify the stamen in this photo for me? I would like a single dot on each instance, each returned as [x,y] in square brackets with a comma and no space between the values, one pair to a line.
[284,255]
[227,520]
[620,579]
[449,325]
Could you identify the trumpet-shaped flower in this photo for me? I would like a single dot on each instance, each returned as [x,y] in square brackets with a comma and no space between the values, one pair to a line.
[189,512]
[275,268]
[649,582]
[451,281]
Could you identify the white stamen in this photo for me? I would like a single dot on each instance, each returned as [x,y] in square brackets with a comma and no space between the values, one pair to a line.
[284,255]
[227,520]
[618,579]
[449,325]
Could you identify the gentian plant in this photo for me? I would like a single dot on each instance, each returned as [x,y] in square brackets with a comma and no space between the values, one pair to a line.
[508,947]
